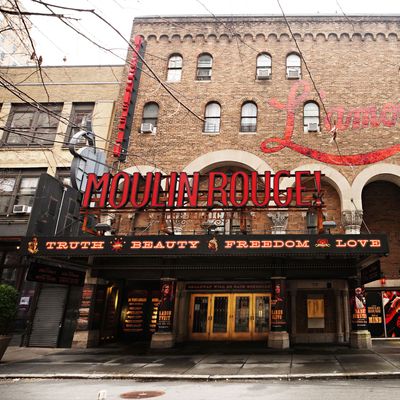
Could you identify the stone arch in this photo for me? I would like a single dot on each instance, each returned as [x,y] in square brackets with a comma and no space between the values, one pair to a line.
[333,37]
[214,159]
[332,176]
[381,36]
[383,171]
[152,38]
[369,37]
[345,37]
[248,37]
[284,37]
[164,38]
[272,37]
[260,37]
[188,38]
[176,38]
[212,38]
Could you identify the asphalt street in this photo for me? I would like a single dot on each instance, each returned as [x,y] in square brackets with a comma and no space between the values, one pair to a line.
[272,390]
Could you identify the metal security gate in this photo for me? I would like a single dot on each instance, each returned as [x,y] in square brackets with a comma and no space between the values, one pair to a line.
[48,316]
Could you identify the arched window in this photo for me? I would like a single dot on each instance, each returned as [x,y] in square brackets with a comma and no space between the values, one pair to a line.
[293,66]
[248,118]
[204,67]
[264,66]
[175,63]
[150,118]
[311,117]
[212,117]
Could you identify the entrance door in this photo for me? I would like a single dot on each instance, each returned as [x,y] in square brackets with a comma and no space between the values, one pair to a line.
[209,315]
[238,316]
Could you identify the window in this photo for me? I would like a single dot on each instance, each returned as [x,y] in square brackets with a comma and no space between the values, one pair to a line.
[248,118]
[204,67]
[39,126]
[264,66]
[293,66]
[81,118]
[150,118]
[174,68]
[311,117]
[212,118]
[18,189]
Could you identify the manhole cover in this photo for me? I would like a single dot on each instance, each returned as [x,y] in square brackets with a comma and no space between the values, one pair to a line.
[141,394]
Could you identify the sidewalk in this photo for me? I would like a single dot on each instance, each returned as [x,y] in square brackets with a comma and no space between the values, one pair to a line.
[199,361]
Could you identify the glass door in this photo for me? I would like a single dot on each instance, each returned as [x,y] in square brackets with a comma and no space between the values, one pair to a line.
[199,317]
[261,316]
[241,306]
[219,317]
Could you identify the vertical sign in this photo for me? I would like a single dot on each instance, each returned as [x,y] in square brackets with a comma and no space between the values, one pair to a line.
[278,308]
[166,306]
[358,310]
[129,100]
[375,315]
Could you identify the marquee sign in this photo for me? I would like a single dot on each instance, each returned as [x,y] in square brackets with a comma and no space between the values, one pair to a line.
[208,245]
[179,190]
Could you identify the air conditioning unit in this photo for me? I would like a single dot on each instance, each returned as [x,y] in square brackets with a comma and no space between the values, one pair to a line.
[263,73]
[293,73]
[204,74]
[312,127]
[21,209]
[147,128]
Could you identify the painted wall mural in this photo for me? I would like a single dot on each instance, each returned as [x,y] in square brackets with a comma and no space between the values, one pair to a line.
[356,118]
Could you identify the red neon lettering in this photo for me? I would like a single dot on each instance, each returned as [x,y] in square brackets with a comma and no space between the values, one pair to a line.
[279,244]
[191,193]
[221,188]
[194,244]
[170,244]
[290,244]
[171,189]
[62,246]
[85,245]
[267,189]
[147,244]
[159,245]
[156,191]
[266,244]
[181,244]
[300,189]
[135,190]
[245,188]
[339,243]
[289,191]
[94,185]
[352,243]
[363,242]
[114,190]
[255,244]
[50,245]
[136,244]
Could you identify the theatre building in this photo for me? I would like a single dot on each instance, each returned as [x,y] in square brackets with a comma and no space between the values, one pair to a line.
[253,191]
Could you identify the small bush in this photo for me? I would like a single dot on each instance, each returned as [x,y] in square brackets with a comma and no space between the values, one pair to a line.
[8,307]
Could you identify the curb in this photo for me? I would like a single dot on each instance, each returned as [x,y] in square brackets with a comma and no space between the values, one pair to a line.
[205,378]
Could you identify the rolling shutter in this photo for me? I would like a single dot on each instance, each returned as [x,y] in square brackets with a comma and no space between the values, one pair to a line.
[48,316]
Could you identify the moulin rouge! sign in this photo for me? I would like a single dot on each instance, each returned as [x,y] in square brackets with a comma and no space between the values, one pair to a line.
[179,190]
[356,118]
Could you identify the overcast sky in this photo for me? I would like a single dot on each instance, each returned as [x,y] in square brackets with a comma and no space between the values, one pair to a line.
[54,41]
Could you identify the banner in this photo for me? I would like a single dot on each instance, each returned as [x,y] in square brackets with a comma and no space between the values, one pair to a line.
[213,245]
